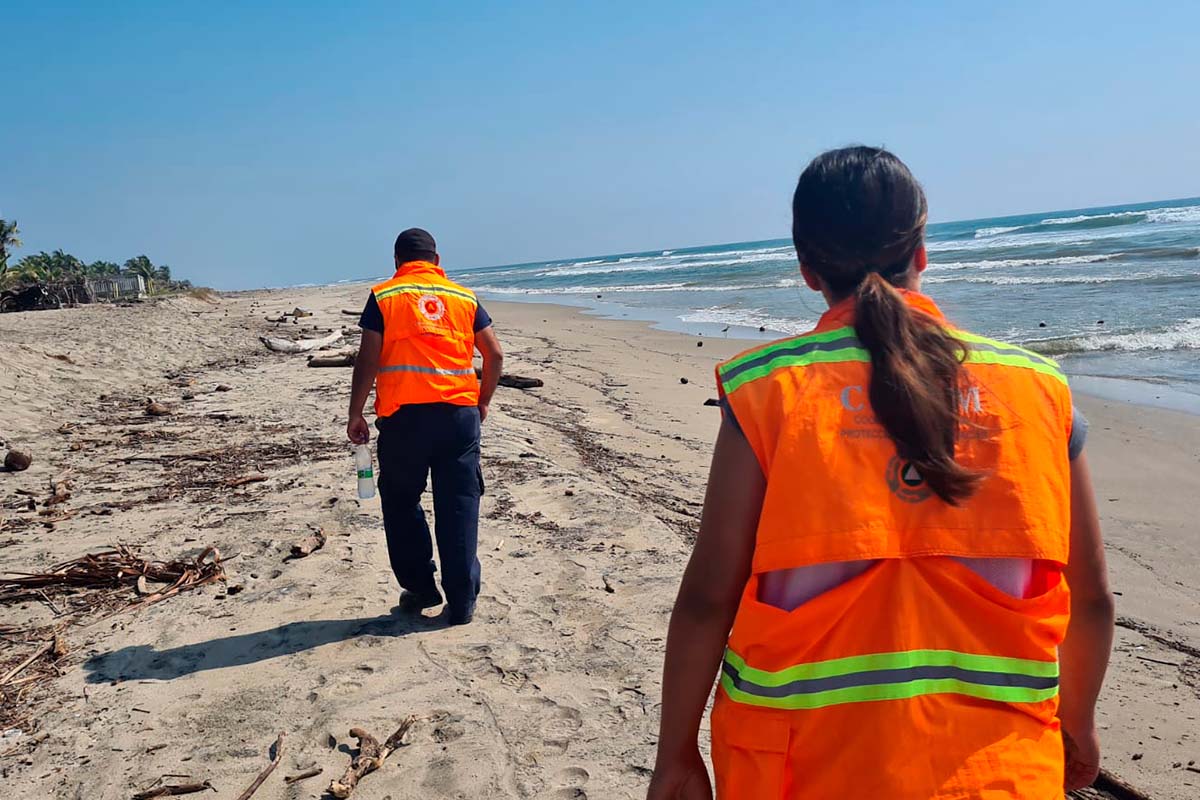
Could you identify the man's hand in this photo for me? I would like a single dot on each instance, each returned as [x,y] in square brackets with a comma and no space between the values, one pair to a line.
[685,779]
[1083,758]
[483,412]
[357,430]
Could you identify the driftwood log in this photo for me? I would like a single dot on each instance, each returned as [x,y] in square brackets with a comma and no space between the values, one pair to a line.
[303,776]
[515,381]
[371,756]
[172,790]
[262,776]
[333,360]
[1107,786]
[277,345]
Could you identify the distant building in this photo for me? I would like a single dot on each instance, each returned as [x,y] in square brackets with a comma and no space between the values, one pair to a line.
[118,287]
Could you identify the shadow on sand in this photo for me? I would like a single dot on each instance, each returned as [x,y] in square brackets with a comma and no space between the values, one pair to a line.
[142,662]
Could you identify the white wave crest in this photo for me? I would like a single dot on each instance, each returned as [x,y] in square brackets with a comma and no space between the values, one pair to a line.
[1002,263]
[1042,280]
[1182,336]
[748,318]
[560,290]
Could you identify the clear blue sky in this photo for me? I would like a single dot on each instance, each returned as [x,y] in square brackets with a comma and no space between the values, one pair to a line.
[274,143]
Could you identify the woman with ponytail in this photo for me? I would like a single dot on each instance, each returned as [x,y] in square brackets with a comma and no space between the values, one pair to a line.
[895,512]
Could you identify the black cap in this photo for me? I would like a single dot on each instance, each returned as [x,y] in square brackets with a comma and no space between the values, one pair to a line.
[415,244]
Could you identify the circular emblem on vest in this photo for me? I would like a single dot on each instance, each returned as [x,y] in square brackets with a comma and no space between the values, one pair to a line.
[906,482]
[433,308]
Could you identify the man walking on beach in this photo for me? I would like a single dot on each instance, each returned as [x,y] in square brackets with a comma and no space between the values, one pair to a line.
[419,334]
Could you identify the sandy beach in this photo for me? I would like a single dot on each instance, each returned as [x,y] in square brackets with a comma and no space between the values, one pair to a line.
[595,484]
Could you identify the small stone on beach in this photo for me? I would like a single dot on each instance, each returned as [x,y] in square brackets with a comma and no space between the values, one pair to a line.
[17,461]
[684,381]
[155,409]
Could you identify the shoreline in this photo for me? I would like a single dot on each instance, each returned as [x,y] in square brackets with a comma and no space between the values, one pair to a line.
[1130,390]
[595,485]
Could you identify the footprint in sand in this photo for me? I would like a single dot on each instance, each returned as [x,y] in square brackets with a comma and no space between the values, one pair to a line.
[571,781]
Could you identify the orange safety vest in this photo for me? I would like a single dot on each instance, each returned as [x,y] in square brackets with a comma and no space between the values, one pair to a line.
[917,678]
[428,340]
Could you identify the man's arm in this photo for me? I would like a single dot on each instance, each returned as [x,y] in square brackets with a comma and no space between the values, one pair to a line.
[493,365]
[366,366]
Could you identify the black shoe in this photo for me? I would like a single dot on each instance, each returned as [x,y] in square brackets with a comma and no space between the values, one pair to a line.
[461,616]
[414,603]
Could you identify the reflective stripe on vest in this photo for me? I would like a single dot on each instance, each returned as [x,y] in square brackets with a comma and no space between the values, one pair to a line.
[420,288]
[890,676]
[842,345]
[426,370]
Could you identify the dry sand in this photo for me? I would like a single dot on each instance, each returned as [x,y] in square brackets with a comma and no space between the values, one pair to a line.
[595,484]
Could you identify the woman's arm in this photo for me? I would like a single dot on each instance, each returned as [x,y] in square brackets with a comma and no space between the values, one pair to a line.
[1084,653]
[708,599]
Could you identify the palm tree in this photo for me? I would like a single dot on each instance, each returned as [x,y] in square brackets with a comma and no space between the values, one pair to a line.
[65,265]
[8,242]
[144,267]
[37,267]
[103,269]
[162,273]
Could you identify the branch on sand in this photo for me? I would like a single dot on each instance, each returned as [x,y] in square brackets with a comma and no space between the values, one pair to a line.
[277,345]
[370,757]
[1108,786]
[172,790]
[262,776]
[333,360]
[115,572]
[515,381]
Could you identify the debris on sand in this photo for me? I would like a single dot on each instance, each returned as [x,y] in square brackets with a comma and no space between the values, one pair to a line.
[277,345]
[333,360]
[156,409]
[173,790]
[520,382]
[17,461]
[111,575]
[308,545]
[370,757]
[29,658]
[262,776]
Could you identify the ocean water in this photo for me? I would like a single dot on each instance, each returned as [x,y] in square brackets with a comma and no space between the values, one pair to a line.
[1111,292]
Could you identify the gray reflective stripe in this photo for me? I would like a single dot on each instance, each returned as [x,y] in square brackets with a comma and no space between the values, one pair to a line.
[798,349]
[426,370]
[1009,351]
[887,676]
[803,348]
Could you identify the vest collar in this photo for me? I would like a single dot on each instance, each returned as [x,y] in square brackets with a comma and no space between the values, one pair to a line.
[843,313]
[417,267]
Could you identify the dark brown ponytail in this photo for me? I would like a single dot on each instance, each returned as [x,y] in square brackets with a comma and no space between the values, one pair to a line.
[916,371]
[858,220]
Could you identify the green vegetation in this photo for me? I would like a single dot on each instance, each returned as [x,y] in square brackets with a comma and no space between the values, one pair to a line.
[59,268]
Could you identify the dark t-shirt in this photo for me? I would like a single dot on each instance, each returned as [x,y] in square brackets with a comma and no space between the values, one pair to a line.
[372,317]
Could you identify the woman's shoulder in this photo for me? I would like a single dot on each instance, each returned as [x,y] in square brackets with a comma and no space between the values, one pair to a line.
[801,350]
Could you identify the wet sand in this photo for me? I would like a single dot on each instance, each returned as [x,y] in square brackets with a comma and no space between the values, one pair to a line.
[594,488]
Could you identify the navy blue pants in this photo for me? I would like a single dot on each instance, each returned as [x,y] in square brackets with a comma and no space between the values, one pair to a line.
[415,442]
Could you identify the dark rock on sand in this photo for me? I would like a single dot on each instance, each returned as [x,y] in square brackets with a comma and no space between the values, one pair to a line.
[17,461]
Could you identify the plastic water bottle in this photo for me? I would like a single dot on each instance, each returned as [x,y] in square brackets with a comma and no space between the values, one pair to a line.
[366,473]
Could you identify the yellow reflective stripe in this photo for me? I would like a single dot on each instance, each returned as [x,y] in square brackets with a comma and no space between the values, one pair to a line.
[412,288]
[890,676]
